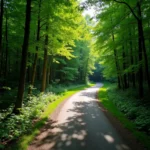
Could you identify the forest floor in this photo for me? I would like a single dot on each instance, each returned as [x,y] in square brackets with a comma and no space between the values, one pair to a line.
[80,123]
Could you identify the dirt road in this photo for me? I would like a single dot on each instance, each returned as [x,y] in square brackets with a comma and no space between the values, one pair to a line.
[79,125]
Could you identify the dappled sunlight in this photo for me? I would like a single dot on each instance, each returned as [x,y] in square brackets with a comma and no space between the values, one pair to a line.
[80,126]
[109,138]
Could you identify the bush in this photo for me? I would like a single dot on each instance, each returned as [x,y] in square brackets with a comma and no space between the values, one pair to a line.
[133,108]
[16,125]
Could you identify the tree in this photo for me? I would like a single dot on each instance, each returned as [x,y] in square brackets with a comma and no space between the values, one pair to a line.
[37,47]
[126,61]
[21,86]
[46,47]
[1,25]
[45,61]
[142,48]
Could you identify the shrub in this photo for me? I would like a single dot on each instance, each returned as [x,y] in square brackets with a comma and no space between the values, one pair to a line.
[16,125]
[127,102]
[33,106]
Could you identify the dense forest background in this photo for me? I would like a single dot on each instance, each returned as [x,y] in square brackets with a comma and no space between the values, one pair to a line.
[43,42]
[45,50]
[123,44]
[122,38]
[48,46]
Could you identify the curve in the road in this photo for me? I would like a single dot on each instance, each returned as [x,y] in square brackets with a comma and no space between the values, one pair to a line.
[80,125]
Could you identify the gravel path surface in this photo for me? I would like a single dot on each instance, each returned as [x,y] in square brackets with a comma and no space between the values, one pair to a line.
[79,125]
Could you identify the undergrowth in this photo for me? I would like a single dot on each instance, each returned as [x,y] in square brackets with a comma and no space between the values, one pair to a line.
[133,113]
[14,126]
[133,108]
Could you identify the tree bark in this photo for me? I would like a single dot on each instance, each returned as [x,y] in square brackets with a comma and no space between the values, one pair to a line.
[52,69]
[29,68]
[117,65]
[124,67]
[132,60]
[48,72]
[6,40]
[37,48]
[116,60]
[49,69]
[21,86]
[141,34]
[140,72]
[86,70]
[45,62]
[1,28]
[141,44]
[1,23]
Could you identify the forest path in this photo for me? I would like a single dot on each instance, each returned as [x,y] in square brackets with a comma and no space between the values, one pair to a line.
[79,125]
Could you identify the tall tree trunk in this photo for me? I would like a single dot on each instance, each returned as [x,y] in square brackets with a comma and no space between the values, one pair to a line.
[86,70]
[2,64]
[21,86]
[115,57]
[132,60]
[6,39]
[48,72]
[141,34]
[1,24]
[29,68]
[37,48]
[45,62]
[124,67]
[52,69]
[1,29]
[33,73]
[49,69]
[140,72]
[141,44]
[38,68]
[116,63]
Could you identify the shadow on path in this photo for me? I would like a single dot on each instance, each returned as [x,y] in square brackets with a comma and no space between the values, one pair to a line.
[87,129]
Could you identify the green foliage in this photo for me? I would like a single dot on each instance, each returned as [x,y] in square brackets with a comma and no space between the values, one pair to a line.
[13,126]
[66,28]
[131,107]
[120,41]
[36,115]
[128,110]
[68,33]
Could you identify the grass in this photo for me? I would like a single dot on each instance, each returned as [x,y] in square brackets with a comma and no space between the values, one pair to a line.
[25,140]
[111,107]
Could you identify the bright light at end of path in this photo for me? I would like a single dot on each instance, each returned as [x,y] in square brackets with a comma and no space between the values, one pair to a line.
[90,11]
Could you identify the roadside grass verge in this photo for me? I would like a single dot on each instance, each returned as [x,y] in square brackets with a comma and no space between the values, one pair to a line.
[26,139]
[106,98]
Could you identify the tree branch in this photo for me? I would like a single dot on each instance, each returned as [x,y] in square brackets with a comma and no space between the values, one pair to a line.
[136,17]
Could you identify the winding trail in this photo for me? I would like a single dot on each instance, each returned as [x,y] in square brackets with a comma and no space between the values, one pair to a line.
[79,125]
